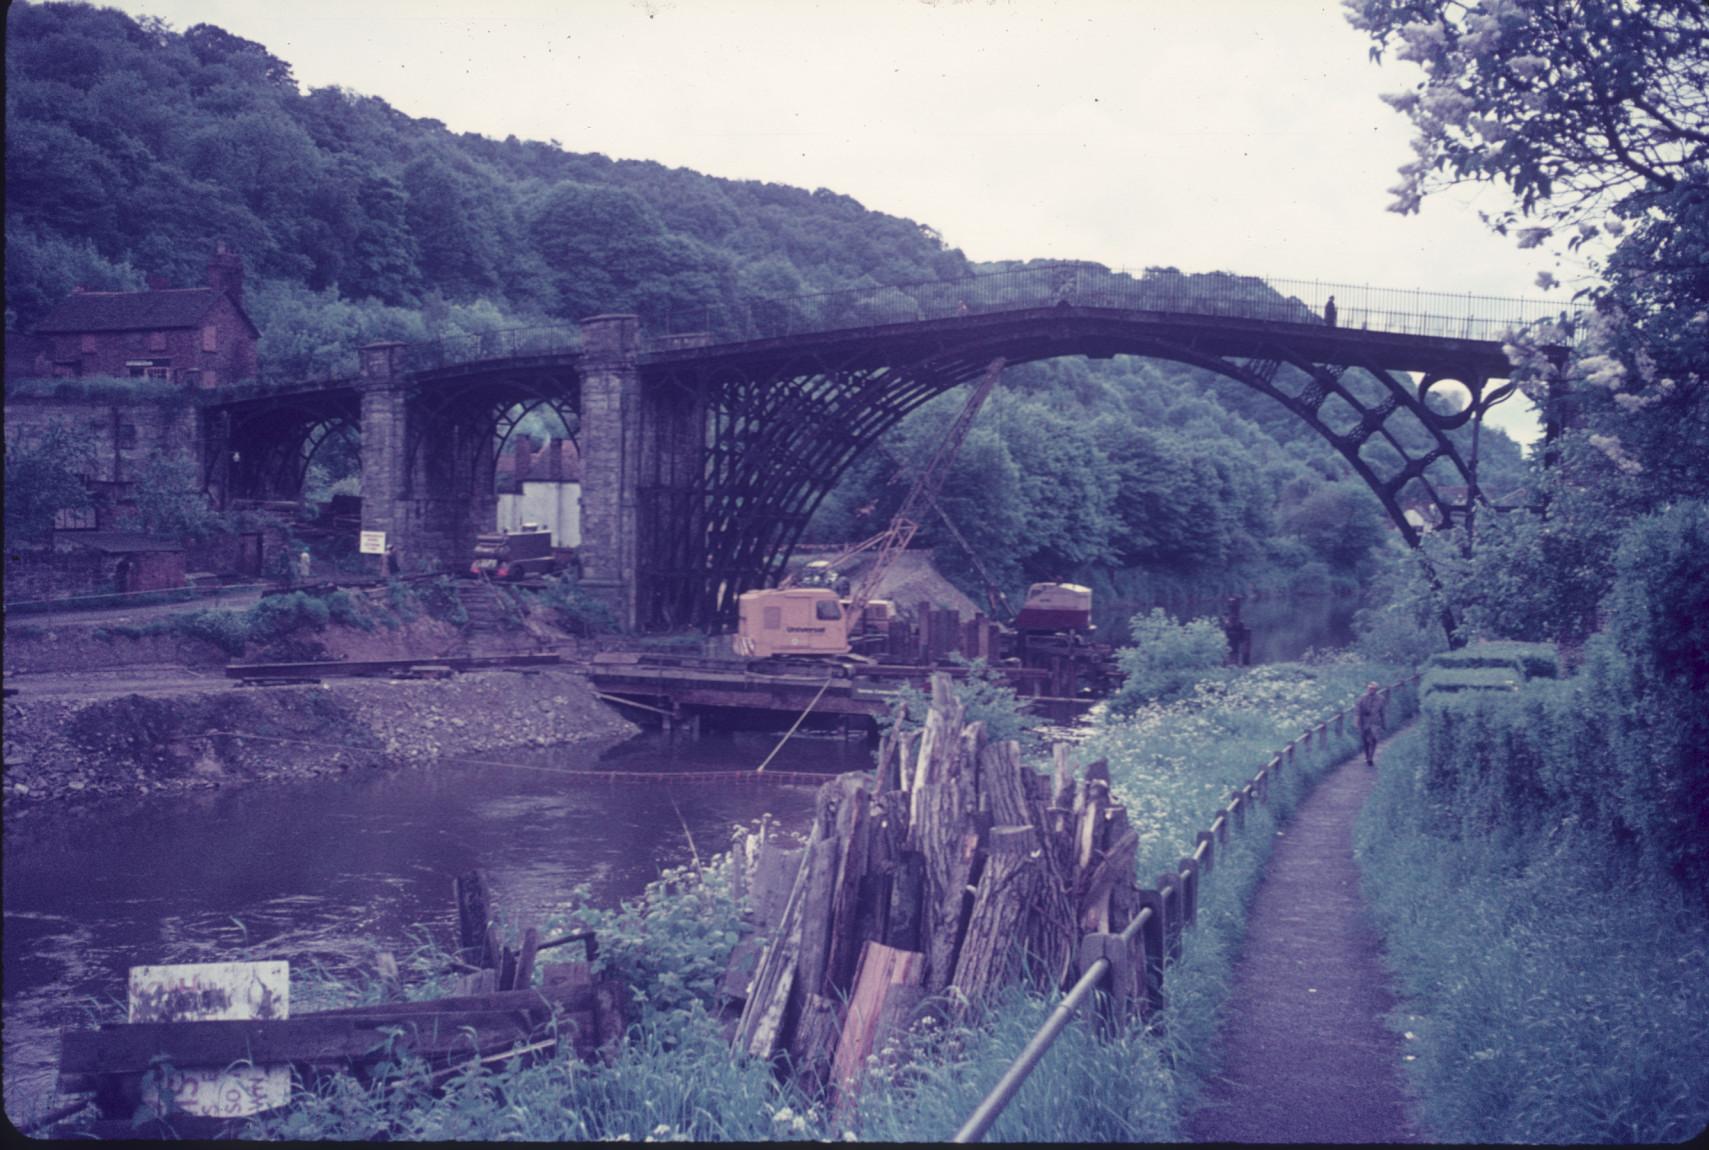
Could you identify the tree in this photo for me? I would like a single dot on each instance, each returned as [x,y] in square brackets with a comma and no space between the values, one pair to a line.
[42,481]
[1575,105]
[166,500]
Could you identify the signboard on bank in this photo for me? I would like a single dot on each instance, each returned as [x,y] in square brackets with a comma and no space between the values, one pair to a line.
[201,992]
[373,543]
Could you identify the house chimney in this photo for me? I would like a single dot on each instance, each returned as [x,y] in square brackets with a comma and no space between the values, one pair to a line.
[225,273]
[555,461]
[158,283]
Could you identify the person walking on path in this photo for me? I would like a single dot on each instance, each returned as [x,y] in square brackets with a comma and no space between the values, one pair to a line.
[1329,312]
[1306,1056]
[1369,718]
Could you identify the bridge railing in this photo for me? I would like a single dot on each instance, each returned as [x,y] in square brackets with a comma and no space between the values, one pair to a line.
[1388,310]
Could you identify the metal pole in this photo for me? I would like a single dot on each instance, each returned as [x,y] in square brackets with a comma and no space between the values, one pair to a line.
[975,1127]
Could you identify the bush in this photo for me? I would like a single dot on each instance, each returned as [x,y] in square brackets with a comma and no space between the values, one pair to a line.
[983,693]
[576,611]
[1166,658]
[1551,994]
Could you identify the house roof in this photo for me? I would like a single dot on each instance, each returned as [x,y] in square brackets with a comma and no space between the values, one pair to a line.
[133,310]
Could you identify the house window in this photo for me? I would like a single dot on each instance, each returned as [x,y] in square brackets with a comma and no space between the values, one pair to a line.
[160,373]
[156,341]
[826,609]
[86,343]
[210,338]
[69,519]
[192,377]
[65,369]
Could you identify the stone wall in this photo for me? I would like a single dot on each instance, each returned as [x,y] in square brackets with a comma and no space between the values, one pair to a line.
[122,435]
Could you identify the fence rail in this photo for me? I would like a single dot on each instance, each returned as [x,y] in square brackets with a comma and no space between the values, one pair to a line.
[1395,311]
[1388,310]
[1153,936]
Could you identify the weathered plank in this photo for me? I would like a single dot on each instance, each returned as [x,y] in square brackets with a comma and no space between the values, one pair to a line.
[881,971]
[474,915]
[572,994]
[775,872]
[524,977]
[308,1039]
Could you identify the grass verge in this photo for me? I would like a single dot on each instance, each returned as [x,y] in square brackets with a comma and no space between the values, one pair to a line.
[1551,995]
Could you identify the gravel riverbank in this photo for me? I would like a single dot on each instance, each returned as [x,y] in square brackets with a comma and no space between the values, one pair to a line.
[62,749]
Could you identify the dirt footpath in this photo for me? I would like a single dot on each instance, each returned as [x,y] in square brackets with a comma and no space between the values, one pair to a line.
[1307,1057]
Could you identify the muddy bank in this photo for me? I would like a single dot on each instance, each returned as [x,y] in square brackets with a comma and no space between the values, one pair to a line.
[61,749]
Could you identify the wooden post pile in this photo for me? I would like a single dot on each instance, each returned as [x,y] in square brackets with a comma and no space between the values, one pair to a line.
[954,870]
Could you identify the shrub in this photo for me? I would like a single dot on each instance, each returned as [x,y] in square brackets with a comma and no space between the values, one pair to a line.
[983,693]
[576,611]
[1166,658]
[440,600]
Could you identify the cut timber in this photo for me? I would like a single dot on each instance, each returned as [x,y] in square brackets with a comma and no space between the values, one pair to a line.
[854,831]
[882,970]
[815,1039]
[474,916]
[775,872]
[1006,894]
[814,929]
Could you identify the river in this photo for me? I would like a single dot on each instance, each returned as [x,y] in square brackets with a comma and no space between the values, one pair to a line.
[1283,627]
[328,874]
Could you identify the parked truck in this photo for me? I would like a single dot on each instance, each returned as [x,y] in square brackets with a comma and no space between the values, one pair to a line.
[514,554]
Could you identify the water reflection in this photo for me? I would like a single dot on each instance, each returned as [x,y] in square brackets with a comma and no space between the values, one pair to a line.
[1283,628]
[328,874]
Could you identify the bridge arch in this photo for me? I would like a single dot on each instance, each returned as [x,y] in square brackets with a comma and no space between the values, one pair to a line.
[786,419]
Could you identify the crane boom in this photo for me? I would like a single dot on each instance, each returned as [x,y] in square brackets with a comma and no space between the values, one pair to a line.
[924,491]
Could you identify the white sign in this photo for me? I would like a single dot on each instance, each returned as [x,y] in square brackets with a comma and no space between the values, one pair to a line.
[373,543]
[201,992]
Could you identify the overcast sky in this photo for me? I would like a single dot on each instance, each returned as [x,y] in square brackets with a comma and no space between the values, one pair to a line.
[1239,135]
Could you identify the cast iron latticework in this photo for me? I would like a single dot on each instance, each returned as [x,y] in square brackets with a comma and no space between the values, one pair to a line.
[468,416]
[785,417]
[261,449]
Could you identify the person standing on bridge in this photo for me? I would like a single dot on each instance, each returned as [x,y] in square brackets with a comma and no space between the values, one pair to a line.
[1368,717]
[1329,311]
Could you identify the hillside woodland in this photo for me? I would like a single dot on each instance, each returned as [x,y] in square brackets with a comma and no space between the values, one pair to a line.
[131,148]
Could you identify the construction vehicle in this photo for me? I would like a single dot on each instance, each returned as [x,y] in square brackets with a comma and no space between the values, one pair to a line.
[1056,607]
[514,554]
[816,622]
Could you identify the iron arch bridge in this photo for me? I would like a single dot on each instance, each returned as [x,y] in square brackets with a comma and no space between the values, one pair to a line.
[788,408]
[706,452]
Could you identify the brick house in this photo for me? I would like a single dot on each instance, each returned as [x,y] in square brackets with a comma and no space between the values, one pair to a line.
[199,337]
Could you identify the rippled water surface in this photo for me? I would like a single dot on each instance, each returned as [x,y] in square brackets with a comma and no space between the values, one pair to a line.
[330,873]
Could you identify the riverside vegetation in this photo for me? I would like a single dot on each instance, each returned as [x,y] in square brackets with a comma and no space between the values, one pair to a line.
[1172,762]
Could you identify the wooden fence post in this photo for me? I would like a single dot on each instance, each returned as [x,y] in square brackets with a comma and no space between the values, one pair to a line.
[1114,985]
[1189,870]
[1237,801]
[1208,841]
[1152,934]
[1169,887]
